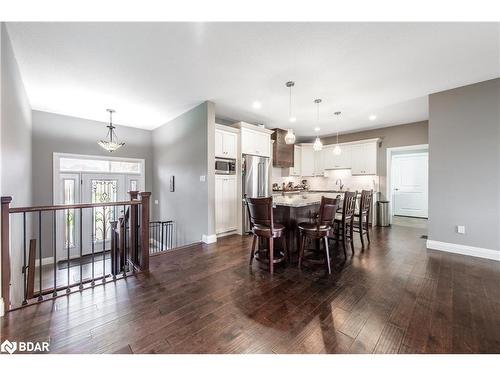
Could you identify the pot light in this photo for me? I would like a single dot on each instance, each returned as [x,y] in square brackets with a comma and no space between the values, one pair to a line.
[257,105]
[316,129]
[292,119]
[372,117]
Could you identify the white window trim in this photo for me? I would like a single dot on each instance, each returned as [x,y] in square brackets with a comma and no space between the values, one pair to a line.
[56,172]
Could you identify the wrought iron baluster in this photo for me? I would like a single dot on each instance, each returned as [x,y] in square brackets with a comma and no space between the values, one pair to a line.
[81,250]
[68,289]
[125,262]
[54,244]
[40,297]
[104,244]
[25,292]
[92,218]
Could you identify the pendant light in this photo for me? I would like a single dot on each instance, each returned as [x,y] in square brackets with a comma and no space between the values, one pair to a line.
[337,150]
[317,145]
[112,144]
[290,136]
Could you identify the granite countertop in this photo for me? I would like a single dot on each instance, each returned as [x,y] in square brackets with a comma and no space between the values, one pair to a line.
[301,200]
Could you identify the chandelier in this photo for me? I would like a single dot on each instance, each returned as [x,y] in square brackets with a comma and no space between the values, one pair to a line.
[112,144]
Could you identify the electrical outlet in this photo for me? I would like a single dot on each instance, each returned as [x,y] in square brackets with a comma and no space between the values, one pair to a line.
[461,229]
[156,201]
[203,178]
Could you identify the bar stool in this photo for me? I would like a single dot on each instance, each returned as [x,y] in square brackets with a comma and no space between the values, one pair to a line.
[262,226]
[362,225]
[319,230]
[344,222]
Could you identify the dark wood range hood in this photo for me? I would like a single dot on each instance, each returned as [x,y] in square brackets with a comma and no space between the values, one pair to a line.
[282,153]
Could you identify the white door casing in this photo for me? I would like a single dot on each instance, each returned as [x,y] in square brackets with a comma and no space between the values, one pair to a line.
[410,184]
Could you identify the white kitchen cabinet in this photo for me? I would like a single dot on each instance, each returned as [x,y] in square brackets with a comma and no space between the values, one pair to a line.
[332,161]
[307,160]
[295,170]
[226,204]
[254,142]
[364,159]
[225,144]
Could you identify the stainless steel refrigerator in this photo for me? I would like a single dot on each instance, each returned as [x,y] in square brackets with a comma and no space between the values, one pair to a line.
[255,174]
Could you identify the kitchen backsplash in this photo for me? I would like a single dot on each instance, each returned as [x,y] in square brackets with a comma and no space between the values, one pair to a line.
[328,182]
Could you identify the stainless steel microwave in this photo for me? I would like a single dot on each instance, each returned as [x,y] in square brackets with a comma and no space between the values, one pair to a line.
[225,166]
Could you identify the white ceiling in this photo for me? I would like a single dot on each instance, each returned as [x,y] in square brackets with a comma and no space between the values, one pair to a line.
[152,72]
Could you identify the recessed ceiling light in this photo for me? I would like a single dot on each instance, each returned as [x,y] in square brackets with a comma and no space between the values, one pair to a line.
[317,129]
[257,105]
[372,117]
[293,119]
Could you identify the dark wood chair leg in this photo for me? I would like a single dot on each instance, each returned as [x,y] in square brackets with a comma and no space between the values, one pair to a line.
[271,255]
[327,254]
[301,250]
[351,234]
[285,248]
[344,239]
[253,249]
[361,231]
[367,229]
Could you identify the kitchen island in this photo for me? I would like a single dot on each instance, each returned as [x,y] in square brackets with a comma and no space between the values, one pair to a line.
[292,209]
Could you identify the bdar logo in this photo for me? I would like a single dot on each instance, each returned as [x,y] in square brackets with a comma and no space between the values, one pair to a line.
[8,347]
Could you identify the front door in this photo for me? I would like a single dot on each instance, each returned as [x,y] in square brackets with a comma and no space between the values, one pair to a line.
[101,188]
[410,184]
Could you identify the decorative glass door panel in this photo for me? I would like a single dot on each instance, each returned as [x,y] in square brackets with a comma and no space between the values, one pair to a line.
[103,191]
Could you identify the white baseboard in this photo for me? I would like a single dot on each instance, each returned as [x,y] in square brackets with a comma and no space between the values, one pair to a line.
[478,252]
[220,235]
[209,238]
[1,307]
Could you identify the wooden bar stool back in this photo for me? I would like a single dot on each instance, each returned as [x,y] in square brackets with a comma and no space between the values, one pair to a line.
[320,229]
[344,222]
[262,226]
[362,217]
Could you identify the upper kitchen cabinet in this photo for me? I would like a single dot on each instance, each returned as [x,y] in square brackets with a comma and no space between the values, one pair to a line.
[296,169]
[283,153]
[364,158]
[307,165]
[332,161]
[255,140]
[225,144]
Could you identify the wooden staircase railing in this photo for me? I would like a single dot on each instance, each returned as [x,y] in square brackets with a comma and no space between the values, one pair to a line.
[129,247]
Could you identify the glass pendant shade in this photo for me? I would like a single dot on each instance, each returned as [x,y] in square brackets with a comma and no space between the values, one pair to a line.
[337,150]
[290,137]
[317,145]
[112,144]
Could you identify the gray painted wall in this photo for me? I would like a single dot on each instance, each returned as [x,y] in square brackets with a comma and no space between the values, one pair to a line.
[59,133]
[15,152]
[181,150]
[393,136]
[464,165]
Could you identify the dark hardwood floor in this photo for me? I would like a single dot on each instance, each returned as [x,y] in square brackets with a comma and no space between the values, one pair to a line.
[395,297]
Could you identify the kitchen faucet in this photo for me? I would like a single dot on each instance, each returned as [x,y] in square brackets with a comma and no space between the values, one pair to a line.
[341,184]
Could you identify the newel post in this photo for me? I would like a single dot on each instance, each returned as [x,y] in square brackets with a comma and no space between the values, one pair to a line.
[6,252]
[134,236]
[145,196]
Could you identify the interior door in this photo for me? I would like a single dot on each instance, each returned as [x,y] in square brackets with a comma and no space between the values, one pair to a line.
[101,188]
[410,184]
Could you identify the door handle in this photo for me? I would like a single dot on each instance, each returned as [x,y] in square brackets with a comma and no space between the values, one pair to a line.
[396,189]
